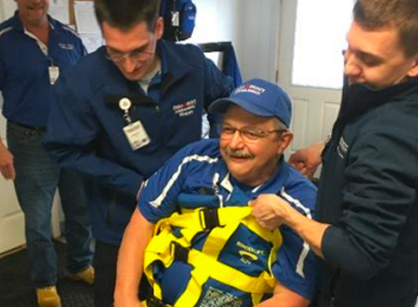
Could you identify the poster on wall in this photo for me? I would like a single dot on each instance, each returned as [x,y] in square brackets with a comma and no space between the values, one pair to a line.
[85,18]
[59,10]
[87,26]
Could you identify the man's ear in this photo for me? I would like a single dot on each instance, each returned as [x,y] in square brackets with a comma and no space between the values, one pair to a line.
[413,72]
[159,27]
[286,140]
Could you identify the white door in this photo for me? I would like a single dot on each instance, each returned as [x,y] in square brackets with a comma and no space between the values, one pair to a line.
[315,91]
[11,216]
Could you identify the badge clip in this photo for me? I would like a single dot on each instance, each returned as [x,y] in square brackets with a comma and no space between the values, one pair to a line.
[125,104]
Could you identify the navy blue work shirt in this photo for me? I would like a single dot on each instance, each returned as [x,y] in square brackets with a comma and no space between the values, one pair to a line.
[24,77]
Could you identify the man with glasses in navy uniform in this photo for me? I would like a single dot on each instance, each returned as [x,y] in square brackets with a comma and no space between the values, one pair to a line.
[211,177]
[122,112]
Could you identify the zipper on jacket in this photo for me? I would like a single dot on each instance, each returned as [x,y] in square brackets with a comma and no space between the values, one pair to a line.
[158,110]
[111,209]
[334,277]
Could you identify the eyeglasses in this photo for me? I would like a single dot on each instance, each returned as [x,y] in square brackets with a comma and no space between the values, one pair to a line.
[248,134]
[138,54]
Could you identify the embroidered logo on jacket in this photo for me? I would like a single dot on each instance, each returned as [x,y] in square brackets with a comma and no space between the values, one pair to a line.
[185,109]
[248,253]
[66,46]
[342,148]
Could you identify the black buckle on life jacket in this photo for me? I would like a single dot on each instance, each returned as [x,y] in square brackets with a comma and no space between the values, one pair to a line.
[210,218]
[155,302]
[179,252]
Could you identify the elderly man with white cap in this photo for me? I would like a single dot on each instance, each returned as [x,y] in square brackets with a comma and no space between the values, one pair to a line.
[193,234]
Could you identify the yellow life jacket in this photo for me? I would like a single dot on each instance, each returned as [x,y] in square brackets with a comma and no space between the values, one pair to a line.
[218,226]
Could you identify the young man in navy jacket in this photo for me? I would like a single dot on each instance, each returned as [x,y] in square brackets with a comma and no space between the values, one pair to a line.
[367,217]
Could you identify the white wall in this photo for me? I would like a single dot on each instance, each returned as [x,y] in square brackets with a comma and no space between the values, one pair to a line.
[257,37]
[213,21]
[252,26]
[7,8]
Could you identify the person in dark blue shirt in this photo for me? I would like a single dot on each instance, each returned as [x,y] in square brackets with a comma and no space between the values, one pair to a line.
[122,112]
[34,50]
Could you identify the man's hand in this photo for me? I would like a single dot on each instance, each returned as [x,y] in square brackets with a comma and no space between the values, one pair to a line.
[284,297]
[7,168]
[269,210]
[307,160]
[137,235]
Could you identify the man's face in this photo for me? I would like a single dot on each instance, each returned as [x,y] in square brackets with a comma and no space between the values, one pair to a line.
[376,58]
[33,11]
[133,51]
[251,162]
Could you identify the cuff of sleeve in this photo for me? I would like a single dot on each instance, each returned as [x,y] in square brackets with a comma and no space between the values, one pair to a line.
[134,185]
[147,213]
[338,251]
[330,243]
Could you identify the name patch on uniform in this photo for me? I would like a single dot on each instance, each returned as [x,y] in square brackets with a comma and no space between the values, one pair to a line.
[66,46]
[185,109]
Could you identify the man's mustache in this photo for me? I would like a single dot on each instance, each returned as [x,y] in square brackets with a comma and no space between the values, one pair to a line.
[238,154]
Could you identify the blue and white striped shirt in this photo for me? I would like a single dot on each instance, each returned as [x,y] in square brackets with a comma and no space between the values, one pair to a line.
[198,169]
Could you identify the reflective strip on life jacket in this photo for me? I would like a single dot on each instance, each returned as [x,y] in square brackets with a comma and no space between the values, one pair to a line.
[164,244]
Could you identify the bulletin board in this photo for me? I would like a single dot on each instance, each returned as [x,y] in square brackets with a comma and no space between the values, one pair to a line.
[84,19]
[71,10]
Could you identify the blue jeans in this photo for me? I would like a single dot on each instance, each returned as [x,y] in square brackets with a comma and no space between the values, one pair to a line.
[37,179]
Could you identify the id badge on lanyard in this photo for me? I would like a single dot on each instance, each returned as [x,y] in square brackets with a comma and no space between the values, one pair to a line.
[53,70]
[54,73]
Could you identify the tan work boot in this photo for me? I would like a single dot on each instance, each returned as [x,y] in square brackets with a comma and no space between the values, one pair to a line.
[48,297]
[86,275]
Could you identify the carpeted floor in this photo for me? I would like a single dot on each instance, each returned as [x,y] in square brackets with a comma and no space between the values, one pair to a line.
[16,288]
